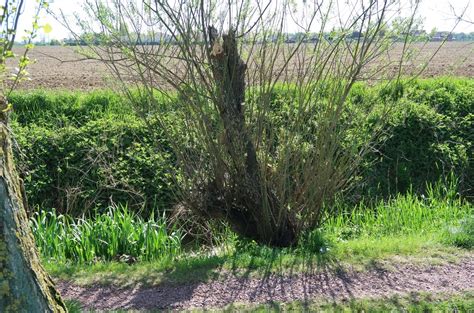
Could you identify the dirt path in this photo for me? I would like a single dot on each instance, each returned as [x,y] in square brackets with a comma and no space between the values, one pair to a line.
[329,285]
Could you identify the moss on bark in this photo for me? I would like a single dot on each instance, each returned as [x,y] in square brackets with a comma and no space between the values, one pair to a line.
[24,285]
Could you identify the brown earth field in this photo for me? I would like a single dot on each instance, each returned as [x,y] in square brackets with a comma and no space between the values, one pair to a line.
[59,67]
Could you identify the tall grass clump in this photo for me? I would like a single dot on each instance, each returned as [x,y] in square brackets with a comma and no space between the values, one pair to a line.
[404,214]
[113,235]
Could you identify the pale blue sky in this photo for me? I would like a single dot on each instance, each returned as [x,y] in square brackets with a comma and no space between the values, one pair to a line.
[436,13]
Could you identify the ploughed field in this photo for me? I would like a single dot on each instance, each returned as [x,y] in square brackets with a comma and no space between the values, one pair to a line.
[62,68]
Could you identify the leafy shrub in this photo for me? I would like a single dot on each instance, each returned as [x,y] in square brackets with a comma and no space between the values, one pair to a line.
[428,135]
[93,158]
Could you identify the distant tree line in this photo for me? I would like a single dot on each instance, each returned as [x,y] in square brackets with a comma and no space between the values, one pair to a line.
[422,35]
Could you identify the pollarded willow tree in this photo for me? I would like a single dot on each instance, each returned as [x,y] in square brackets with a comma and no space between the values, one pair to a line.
[24,285]
[269,165]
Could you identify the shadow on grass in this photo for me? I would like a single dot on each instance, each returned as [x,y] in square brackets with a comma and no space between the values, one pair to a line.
[249,274]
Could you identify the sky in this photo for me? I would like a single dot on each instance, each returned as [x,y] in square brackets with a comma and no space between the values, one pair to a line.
[436,14]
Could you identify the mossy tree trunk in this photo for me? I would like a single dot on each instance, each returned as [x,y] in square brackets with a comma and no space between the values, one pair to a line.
[24,285]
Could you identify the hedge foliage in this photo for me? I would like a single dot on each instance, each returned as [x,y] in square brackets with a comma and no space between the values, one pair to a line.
[82,151]
[429,134]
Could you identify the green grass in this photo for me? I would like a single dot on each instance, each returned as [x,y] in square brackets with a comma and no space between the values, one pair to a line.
[403,214]
[66,108]
[118,233]
[204,267]
[407,228]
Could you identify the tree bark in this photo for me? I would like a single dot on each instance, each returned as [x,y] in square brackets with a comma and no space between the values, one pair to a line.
[255,206]
[24,285]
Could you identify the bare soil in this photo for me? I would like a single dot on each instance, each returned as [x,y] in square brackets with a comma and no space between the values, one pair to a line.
[328,285]
[60,67]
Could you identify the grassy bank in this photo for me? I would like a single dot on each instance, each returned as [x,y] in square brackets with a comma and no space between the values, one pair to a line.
[434,228]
